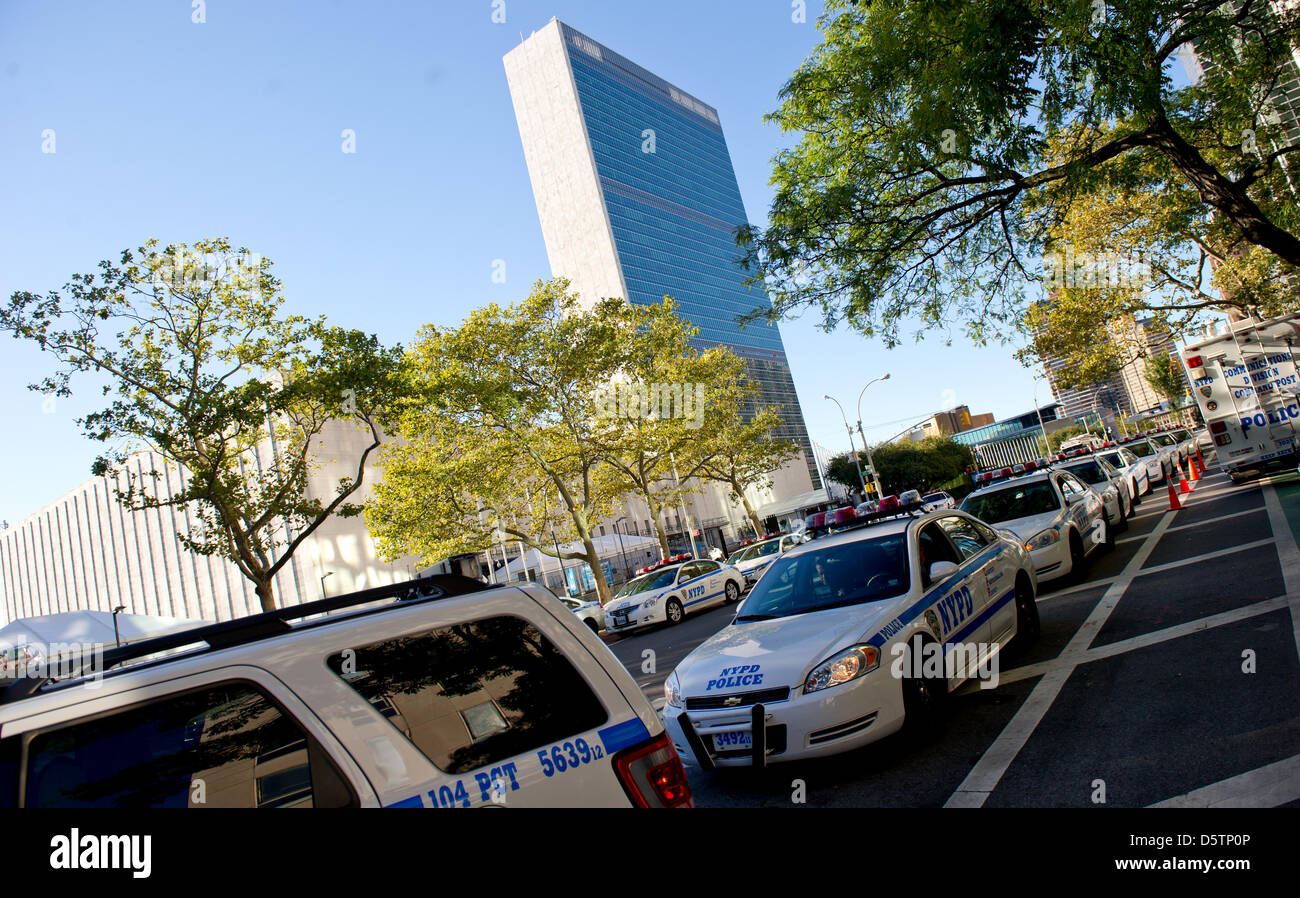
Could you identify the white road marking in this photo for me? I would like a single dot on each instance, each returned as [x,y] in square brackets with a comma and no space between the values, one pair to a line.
[1218,553]
[1289,554]
[1264,787]
[1235,514]
[992,766]
[1134,643]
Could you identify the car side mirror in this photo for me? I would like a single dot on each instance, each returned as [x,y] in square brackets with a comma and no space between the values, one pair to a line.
[942,570]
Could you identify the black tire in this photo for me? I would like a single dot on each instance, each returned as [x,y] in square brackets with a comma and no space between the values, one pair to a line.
[1108,542]
[1137,495]
[1124,514]
[674,611]
[1028,626]
[592,625]
[925,698]
[1076,557]
[733,592]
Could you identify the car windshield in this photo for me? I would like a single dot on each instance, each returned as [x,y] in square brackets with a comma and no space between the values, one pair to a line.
[934,497]
[653,580]
[1019,501]
[1113,458]
[1142,449]
[1163,440]
[852,573]
[1181,435]
[1089,472]
[758,550]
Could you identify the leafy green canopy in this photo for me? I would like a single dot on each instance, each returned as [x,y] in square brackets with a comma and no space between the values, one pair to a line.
[206,370]
[942,144]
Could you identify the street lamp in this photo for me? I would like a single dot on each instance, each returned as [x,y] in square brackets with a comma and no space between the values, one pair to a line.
[322,583]
[875,478]
[862,481]
[116,611]
[621,548]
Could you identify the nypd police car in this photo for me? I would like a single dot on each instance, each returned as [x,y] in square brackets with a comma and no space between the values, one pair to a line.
[753,559]
[1132,467]
[668,590]
[849,636]
[1059,517]
[1112,484]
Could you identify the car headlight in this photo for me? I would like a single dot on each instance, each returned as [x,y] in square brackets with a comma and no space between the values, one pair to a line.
[848,665]
[650,603]
[1043,540]
[673,690]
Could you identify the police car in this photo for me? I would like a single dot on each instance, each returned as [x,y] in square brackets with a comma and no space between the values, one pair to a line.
[1112,484]
[847,637]
[1059,517]
[465,696]
[753,559]
[590,613]
[1132,467]
[1158,459]
[665,592]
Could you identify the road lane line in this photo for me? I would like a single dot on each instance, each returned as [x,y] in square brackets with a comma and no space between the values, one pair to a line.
[1177,631]
[1289,554]
[1159,568]
[993,764]
[1264,787]
[1235,514]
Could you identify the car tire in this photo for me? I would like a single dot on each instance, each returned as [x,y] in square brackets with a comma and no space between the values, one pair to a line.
[1137,494]
[733,592]
[592,625]
[674,612]
[925,699]
[1028,625]
[1076,557]
[1108,537]
[1124,514]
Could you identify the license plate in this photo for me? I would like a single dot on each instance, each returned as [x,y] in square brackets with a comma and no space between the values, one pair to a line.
[733,740]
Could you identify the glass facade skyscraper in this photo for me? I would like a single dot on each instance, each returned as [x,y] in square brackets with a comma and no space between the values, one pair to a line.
[638,198]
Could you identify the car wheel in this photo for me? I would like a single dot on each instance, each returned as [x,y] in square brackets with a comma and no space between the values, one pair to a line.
[1076,557]
[1124,513]
[674,611]
[733,591]
[1137,494]
[1108,532]
[1027,623]
[592,624]
[925,696]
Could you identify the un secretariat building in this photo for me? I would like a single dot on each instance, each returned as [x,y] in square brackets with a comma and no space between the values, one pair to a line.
[638,199]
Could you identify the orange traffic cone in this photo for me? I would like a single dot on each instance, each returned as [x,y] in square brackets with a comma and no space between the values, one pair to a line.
[1183,485]
[1192,474]
[1174,504]
[1200,461]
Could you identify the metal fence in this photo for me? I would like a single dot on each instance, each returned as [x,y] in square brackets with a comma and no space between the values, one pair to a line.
[1015,451]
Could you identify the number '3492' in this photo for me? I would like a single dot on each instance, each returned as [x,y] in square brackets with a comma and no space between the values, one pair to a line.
[560,758]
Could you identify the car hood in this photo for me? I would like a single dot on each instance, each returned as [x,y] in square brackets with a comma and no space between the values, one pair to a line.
[1027,527]
[635,601]
[747,566]
[753,655]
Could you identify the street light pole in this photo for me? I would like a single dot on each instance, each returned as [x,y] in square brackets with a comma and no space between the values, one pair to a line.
[621,548]
[116,611]
[875,478]
[322,583]
[862,481]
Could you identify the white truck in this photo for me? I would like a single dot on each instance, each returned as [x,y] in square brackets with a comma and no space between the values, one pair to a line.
[1244,379]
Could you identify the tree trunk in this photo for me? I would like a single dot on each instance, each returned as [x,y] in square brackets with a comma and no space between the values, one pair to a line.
[597,570]
[265,593]
[749,509]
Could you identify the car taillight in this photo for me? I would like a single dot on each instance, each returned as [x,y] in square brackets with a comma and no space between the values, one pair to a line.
[1218,426]
[653,776]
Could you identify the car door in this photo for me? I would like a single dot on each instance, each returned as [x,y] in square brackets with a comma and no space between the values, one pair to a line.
[1085,508]
[715,584]
[693,591]
[991,587]
[956,604]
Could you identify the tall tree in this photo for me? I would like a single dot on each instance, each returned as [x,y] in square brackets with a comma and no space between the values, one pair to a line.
[741,454]
[1165,375]
[510,431]
[206,370]
[916,192]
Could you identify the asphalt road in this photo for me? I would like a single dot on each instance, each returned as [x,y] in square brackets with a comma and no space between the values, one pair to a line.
[1170,674]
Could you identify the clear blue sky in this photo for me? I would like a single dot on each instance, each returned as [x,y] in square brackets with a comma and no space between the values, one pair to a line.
[179,131]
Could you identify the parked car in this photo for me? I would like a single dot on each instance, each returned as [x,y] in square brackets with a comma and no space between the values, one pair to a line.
[664,594]
[590,613]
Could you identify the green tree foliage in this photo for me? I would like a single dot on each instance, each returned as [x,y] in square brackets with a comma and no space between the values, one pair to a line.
[740,454]
[923,465]
[943,144]
[205,369]
[841,469]
[1165,375]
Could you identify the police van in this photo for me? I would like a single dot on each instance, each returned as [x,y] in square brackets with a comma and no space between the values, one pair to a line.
[441,693]
[1245,382]
[848,637]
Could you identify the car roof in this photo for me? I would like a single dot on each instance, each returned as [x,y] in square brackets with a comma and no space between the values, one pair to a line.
[1012,481]
[879,528]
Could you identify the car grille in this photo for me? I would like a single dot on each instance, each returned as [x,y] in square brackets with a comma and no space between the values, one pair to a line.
[844,729]
[714,702]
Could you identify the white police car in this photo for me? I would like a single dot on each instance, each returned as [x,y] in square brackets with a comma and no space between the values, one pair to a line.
[590,613]
[847,637]
[1158,459]
[1060,518]
[664,594]
[1132,467]
[463,696]
[753,559]
[1112,484]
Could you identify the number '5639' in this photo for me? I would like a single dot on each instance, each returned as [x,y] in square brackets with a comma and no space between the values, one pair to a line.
[560,758]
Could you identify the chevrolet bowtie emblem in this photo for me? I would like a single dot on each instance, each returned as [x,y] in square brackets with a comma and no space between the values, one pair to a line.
[734,700]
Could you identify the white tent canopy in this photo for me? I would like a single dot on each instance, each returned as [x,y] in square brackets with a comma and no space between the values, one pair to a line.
[640,551]
[89,628]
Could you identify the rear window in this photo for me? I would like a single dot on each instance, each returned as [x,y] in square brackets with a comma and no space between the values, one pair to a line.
[476,693]
[1021,501]
[1141,450]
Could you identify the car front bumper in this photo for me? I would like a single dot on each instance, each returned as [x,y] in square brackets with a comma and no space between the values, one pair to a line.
[822,723]
[641,617]
[1051,561]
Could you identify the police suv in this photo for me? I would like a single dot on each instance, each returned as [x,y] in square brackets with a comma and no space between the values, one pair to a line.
[462,696]
[1059,517]
[849,636]
[666,590]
